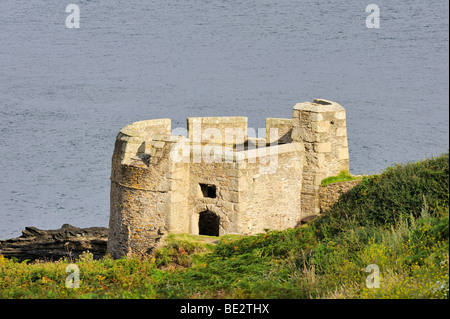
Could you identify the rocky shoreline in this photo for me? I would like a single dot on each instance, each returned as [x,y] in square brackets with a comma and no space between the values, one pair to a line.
[51,245]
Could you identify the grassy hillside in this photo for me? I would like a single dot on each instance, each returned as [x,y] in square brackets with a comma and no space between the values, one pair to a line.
[397,220]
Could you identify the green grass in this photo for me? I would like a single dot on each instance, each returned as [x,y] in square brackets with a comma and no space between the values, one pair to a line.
[343,176]
[181,250]
[398,220]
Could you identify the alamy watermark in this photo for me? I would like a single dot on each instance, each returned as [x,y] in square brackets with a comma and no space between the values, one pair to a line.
[373,19]
[230,145]
[373,280]
[73,19]
[73,280]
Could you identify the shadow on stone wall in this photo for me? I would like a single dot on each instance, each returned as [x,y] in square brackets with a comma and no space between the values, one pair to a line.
[328,195]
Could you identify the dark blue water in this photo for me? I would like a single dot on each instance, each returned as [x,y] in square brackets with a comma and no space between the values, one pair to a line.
[65,93]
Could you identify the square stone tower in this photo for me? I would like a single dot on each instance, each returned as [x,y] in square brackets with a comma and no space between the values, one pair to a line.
[321,126]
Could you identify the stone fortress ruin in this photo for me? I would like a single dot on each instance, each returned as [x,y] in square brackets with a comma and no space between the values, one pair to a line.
[216,180]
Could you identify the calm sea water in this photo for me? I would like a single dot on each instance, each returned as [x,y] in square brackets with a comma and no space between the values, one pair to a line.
[65,93]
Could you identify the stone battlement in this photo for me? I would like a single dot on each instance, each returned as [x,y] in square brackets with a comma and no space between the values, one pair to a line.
[212,178]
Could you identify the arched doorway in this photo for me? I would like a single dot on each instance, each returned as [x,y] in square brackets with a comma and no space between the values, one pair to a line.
[208,223]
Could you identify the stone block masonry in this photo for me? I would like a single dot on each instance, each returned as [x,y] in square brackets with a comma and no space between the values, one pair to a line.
[219,181]
[321,126]
[328,195]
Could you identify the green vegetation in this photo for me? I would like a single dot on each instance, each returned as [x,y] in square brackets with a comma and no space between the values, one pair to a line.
[398,220]
[343,176]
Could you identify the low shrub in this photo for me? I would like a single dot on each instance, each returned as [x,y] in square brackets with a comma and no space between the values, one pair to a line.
[382,200]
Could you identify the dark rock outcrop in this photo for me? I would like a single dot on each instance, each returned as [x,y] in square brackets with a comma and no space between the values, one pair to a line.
[51,245]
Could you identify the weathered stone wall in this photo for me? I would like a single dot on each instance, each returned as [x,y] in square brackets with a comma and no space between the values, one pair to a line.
[282,133]
[223,177]
[139,206]
[329,194]
[322,128]
[229,130]
[248,189]
[269,188]
[148,190]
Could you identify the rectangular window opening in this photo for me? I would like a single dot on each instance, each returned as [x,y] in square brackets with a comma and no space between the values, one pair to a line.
[208,190]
